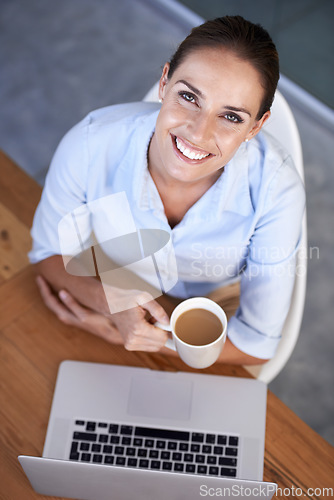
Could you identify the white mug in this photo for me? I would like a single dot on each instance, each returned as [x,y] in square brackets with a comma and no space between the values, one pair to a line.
[196,356]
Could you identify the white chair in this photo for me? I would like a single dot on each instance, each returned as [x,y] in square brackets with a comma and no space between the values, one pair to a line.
[281,125]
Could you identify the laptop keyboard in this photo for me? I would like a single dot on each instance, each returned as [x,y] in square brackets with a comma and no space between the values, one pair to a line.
[157,449]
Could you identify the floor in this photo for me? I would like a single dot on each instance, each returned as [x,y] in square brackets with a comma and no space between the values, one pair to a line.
[59,60]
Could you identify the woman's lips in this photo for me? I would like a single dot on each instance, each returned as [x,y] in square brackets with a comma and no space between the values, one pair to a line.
[187,152]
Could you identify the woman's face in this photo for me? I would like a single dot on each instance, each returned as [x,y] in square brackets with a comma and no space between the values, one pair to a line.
[209,107]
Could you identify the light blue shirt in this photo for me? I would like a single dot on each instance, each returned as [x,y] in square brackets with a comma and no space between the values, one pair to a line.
[246,226]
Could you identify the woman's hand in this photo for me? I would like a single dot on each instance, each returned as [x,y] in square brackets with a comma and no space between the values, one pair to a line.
[70,312]
[132,327]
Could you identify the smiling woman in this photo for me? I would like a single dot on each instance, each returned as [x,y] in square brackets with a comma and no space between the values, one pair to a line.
[197,167]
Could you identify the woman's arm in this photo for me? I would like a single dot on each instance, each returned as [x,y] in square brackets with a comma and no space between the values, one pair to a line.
[230,355]
[71,312]
[83,302]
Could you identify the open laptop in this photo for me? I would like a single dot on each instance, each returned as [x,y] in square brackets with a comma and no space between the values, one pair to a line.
[119,432]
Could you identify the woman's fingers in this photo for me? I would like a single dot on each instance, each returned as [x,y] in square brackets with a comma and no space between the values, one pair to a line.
[53,303]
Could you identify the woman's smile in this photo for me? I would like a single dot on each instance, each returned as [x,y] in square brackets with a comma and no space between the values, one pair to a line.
[188,152]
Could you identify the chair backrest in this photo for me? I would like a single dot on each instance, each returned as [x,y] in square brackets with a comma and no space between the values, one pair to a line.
[282,126]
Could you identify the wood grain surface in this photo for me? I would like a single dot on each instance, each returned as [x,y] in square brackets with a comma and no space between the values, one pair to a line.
[34,342]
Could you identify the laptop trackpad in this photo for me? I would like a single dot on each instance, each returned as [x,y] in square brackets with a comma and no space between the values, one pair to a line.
[160,397]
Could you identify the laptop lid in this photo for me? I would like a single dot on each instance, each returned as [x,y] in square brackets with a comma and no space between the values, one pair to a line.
[172,401]
[194,402]
[100,482]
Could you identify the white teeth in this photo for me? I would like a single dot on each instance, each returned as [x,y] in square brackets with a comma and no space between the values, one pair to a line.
[188,153]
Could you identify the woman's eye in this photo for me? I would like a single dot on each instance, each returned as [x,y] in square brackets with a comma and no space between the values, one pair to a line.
[233,118]
[187,96]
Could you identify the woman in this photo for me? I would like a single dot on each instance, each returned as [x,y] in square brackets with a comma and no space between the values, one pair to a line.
[195,167]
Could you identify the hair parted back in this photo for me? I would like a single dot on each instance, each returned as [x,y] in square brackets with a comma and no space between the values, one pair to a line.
[250,42]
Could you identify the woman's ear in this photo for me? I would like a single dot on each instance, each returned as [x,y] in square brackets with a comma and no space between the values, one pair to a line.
[258,125]
[163,81]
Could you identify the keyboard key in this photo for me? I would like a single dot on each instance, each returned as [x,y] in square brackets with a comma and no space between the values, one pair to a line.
[85,446]
[214,471]
[90,426]
[155,464]
[161,445]
[188,457]
[132,462]
[211,459]
[195,448]
[232,452]
[183,446]
[97,448]
[84,436]
[202,469]
[120,460]
[74,456]
[178,467]
[80,422]
[233,441]
[85,457]
[218,450]
[130,452]
[165,455]
[172,445]
[113,428]
[126,441]
[106,449]
[97,459]
[210,438]
[190,468]
[162,433]
[74,446]
[206,448]
[222,440]
[137,442]
[126,429]
[167,465]
[224,471]
[102,425]
[177,456]
[142,452]
[197,437]
[119,450]
[103,438]
[228,461]
[149,443]
[109,460]
[114,439]
[200,459]
[154,454]
[143,463]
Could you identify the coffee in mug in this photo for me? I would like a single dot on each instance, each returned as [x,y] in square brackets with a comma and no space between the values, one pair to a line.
[198,327]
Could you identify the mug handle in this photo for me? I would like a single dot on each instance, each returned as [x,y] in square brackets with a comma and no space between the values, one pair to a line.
[169,342]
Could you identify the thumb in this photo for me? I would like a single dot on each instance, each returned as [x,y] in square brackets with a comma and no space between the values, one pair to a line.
[156,311]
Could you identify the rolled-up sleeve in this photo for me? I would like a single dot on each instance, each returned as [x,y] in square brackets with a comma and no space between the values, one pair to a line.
[268,277]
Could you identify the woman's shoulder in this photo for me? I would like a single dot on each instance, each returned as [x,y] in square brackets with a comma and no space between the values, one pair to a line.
[269,159]
[118,113]
[271,171]
[108,127]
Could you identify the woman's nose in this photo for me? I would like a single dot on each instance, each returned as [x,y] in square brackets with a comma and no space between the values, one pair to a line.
[201,127]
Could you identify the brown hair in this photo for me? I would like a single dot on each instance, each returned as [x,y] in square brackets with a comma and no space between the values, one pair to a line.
[250,42]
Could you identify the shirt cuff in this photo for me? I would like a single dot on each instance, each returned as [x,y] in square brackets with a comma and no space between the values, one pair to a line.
[251,342]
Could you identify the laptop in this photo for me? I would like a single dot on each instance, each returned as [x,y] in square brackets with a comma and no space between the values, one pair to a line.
[119,432]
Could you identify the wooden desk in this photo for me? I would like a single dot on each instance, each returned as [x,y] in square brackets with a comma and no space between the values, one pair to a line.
[34,342]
